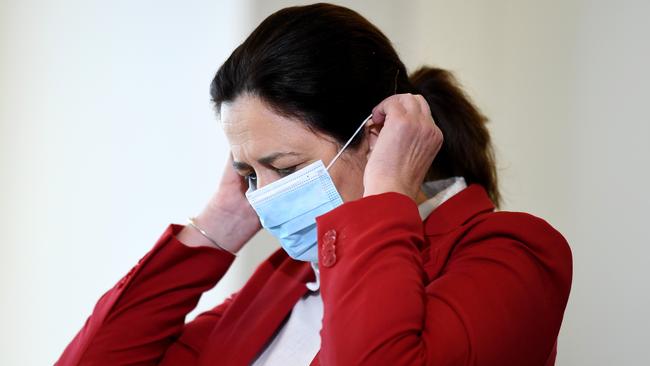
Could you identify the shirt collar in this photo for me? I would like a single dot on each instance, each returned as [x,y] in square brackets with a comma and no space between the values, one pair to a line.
[437,192]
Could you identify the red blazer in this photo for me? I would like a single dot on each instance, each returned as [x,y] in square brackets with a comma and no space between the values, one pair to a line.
[468,286]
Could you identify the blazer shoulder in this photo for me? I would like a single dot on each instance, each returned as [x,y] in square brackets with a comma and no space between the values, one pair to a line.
[536,234]
[513,222]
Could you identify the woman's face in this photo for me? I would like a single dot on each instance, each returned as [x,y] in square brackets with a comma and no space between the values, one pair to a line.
[268,146]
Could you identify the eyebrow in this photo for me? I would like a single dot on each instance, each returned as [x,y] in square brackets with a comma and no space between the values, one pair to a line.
[266,160]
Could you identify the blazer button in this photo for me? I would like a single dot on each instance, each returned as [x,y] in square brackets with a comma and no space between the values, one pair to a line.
[329,247]
[329,237]
[329,259]
[328,250]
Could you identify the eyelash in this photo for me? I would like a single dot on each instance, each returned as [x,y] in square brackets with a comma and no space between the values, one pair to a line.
[281,172]
[286,171]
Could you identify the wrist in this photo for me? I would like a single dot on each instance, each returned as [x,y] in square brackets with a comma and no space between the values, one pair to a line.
[224,227]
[230,228]
[385,188]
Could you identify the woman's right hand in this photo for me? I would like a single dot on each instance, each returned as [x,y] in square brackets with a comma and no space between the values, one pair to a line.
[228,218]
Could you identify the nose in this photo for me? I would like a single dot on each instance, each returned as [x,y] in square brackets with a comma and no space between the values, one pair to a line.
[263,180]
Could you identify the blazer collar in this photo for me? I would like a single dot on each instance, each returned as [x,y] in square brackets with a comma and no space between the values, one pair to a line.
[458,209]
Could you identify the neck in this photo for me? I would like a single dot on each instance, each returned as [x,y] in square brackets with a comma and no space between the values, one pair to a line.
[421,197]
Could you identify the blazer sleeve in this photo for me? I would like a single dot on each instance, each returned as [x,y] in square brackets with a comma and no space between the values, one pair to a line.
[499,299]
[137,320]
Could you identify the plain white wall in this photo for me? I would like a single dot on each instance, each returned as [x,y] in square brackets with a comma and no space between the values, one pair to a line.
[107,135]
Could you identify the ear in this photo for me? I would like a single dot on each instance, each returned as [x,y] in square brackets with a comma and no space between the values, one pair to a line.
[372,133]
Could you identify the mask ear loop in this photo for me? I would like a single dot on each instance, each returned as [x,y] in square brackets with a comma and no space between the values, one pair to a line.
[349,141]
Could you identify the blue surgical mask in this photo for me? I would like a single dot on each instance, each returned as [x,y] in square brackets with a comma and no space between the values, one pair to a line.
[289,206]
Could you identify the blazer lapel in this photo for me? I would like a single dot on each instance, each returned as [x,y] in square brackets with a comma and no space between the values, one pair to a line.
[257,311]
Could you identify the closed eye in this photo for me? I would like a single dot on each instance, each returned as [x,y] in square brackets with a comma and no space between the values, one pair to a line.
[252,177]
[286,171]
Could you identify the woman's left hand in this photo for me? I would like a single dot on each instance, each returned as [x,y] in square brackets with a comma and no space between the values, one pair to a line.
[405,147]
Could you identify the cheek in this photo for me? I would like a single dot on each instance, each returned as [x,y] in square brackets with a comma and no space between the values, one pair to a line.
[349,181]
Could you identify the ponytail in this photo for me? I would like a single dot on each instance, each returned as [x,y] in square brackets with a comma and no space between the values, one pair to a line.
[467,148]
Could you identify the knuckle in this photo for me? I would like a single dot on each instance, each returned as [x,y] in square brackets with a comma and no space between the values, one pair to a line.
[439,135]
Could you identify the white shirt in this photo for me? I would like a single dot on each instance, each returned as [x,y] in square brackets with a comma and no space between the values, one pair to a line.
[298,340]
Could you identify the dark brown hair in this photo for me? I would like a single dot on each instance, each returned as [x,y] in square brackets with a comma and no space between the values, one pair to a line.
[329,66]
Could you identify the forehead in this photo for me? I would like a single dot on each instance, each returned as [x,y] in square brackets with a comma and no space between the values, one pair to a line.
[254,129]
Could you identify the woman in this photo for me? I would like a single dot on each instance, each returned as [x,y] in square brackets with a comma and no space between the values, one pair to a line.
[392,251]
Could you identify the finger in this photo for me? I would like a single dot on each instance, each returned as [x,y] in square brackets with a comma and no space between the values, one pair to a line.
[390,105]
[411,103]
[423,103]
